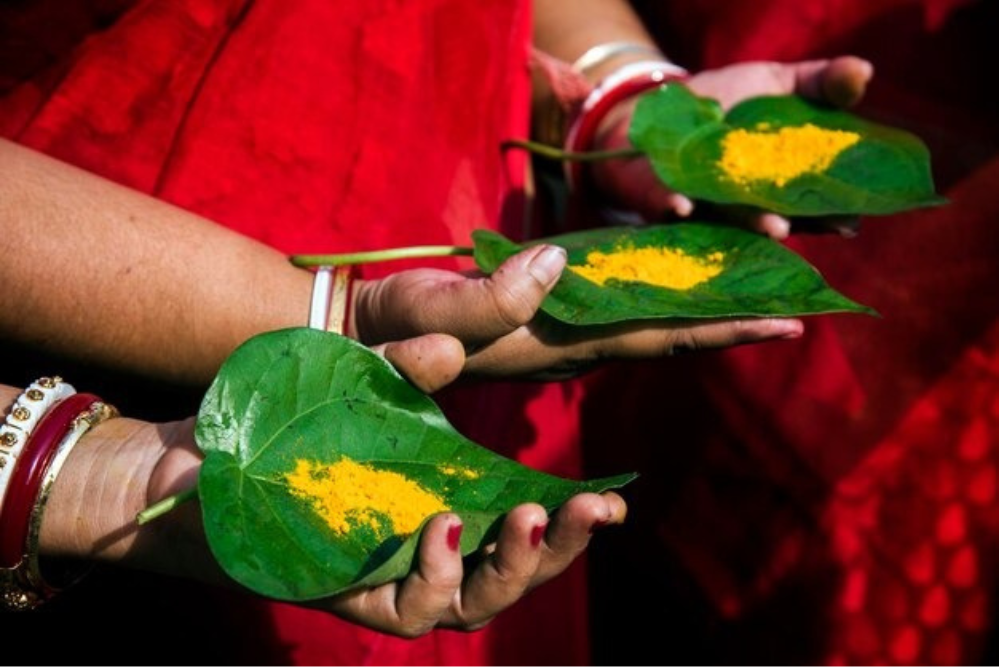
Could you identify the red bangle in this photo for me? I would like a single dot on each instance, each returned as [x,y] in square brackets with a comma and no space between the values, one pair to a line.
[627,81]
[29,471]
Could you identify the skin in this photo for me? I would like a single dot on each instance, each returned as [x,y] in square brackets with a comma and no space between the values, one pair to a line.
[632,183]
[126,464]
[122,297]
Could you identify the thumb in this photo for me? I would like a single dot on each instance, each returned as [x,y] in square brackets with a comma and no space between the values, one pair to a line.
[483,309]
[840,81]
[430,362]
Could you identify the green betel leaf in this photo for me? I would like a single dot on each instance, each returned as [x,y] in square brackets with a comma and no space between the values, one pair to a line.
[741,275]
[782,154]
[299,426]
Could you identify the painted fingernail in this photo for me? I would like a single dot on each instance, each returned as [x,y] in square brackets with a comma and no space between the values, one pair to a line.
[454,536]
[537,533]
[597,525]
[548,264]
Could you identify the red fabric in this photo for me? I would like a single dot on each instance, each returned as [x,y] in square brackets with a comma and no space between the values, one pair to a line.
[833,499]
[317,126]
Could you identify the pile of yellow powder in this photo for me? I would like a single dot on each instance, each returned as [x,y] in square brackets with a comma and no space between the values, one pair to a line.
[671,268]
[781,156]
[347,494]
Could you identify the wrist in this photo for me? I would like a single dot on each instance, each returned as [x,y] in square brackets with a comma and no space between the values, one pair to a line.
[118,469]
[609,106]
[105,477]
[602,60]
[330,306]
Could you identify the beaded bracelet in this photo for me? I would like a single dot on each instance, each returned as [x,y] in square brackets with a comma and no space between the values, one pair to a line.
[625,82]
[22,585]
[330,307]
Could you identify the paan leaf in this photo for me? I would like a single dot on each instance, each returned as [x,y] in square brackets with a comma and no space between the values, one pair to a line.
[298,426]
[782,153]
[740,275]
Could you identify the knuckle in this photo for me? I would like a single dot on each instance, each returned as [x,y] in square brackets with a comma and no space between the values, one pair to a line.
[465,623]
[509,576]
[681,340]
[411,633]
[413,628]
[511,306]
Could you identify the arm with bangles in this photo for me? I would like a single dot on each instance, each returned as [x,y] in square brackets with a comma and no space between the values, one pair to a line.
[120,465]
[571,30]
[99,272]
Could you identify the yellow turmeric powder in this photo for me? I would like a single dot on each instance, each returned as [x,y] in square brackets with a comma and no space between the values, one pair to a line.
[347,494]
[664,267]
[458,471]
[778,157]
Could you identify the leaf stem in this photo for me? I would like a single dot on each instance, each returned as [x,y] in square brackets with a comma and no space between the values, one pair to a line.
[553,153]
[156,510]
[379,255]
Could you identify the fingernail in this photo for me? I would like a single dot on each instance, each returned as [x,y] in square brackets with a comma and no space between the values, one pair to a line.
[537,533]
[454,536]
[793,331]
[547,265]
[597,525]
[778,227]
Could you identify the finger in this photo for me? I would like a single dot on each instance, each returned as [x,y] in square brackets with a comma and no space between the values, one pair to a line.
[557,351]
[677,204]
[806,77]
[666,341]
[847,226]
[413,606]
[845,80]
[430,362]
[427,592]
[658,203]
[747,217]
[841,81]
[571,528]
[505,574]
[770,224]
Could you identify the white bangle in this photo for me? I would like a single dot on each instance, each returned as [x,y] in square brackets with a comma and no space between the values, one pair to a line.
[601,53]
[625,82]
[319,306]
[22,419]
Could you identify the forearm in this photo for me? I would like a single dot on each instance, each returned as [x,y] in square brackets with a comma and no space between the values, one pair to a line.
[100,272]
[566,29]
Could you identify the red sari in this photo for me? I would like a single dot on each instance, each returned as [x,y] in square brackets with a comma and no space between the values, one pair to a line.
[311,126]
[833,499]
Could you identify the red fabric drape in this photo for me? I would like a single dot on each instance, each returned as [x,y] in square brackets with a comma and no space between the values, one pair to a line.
[832,499]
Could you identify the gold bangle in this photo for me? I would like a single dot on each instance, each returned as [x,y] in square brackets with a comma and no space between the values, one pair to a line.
[23,587]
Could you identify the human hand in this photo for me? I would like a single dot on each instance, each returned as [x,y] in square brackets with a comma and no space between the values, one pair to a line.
[489,325]
[441,593]
[631,183]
